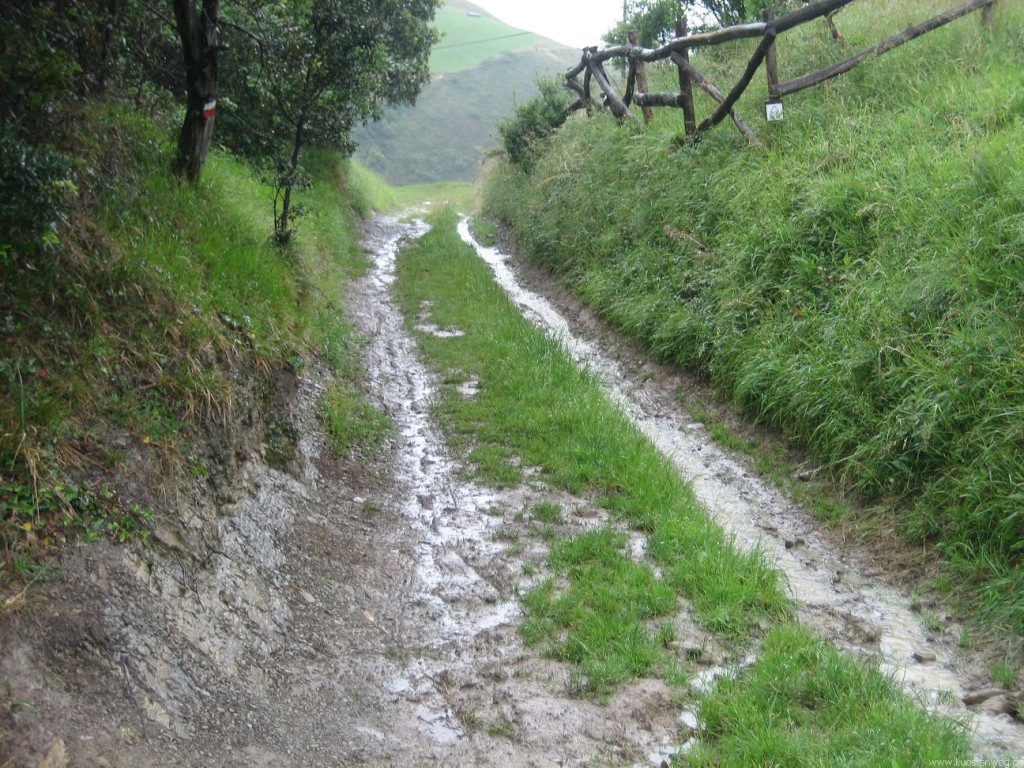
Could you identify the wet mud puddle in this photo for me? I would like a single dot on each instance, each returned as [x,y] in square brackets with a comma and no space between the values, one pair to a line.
[467,692]
[832,593]
[443,513]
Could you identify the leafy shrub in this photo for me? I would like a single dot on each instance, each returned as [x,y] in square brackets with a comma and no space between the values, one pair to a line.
[35,188]
[523,133]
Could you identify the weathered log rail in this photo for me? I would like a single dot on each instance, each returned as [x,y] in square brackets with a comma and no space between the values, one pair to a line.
[677,50]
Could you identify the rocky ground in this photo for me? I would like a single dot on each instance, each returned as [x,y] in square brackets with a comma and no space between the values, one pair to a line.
[329,612]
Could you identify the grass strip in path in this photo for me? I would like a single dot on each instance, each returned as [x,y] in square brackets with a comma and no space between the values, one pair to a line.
[601,610]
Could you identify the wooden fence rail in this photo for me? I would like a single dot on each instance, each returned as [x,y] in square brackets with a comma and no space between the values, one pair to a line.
[677,50]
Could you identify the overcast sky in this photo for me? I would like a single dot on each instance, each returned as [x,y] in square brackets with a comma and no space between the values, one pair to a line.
[577,23]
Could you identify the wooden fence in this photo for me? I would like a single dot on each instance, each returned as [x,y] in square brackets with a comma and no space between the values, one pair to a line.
[677,50]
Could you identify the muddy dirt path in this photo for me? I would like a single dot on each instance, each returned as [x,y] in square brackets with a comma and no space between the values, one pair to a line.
[327,613]
[337,612]
[834,587]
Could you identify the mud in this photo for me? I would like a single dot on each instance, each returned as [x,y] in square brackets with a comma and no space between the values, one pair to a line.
[354,612]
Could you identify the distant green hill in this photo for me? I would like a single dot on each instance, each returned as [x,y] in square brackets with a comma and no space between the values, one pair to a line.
[470,37]
[482,68]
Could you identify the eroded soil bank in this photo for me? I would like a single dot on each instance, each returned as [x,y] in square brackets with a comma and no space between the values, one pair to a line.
[339,612]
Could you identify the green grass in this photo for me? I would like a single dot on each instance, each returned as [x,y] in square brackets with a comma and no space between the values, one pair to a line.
[166,310]
[432,197]
[369,192]
[803,704]
[599,623]
[351,421]
[596,606]
[856,283]
[547,512]
[535,408]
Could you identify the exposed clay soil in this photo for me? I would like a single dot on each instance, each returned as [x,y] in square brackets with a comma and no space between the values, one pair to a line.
[356,611]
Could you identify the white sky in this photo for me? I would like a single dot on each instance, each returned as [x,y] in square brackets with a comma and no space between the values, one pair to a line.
[577,23]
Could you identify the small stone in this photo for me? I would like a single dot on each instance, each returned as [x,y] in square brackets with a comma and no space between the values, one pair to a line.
[977,697]
[805,475]
[1000,705]
[689,721]
[923,657]
[56,756]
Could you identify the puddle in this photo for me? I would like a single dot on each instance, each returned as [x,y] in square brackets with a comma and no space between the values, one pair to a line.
[472,690]
[831,595]
[448,516]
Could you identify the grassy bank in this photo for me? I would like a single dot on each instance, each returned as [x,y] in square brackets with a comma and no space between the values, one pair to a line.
[857,282]
[598,607]
[161,317]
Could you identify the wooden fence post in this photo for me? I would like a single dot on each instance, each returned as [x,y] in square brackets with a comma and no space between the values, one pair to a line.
[685,84]
[986,15]
[771,63]
[641,76]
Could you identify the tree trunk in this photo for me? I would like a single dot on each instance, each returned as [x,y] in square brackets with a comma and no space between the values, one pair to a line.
[198,33]
[283,233]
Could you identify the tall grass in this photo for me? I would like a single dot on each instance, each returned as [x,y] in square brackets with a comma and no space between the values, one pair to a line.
[857,282]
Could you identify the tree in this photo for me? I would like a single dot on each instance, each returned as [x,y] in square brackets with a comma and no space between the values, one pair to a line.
[729,12]
[197,28]
[655,20]
[309,70]
[524,132]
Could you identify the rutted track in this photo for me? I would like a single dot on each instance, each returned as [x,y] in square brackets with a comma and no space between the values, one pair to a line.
[334,613]
[834,591]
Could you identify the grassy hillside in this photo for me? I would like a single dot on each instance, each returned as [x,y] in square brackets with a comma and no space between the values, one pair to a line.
[135,352]
[468,40]
[482,69]
[857,282]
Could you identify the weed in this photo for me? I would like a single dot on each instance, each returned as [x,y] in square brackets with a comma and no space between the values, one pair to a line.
[547,512]
[502,727]
[484,232]
[470,719]
[506,533]
[281,439]
[1005,674]
[965,638]
[352,423]
[547,533]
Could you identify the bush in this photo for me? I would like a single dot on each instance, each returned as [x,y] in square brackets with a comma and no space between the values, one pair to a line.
[35,189]
[523,133]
